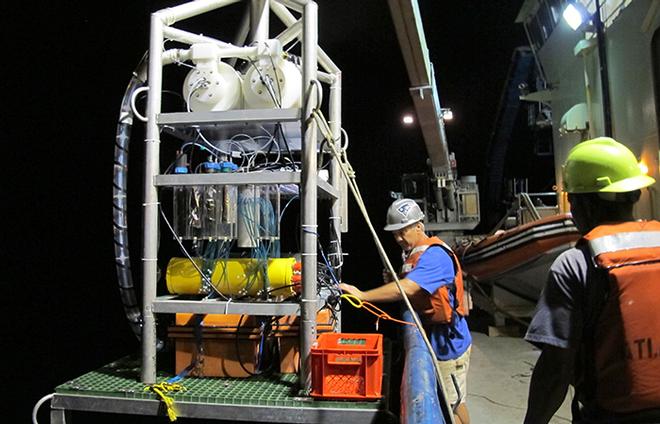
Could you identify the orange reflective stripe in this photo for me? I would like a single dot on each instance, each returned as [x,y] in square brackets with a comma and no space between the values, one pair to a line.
[623,227]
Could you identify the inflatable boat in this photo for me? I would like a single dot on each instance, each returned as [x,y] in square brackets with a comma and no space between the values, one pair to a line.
[518,259]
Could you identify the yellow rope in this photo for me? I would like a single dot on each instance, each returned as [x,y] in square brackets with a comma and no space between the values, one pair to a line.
[161,390]
[370,307]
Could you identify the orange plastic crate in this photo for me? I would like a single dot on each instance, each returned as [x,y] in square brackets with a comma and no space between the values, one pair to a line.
[347,366]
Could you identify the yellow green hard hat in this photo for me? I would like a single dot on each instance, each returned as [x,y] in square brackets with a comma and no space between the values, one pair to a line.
[603,165]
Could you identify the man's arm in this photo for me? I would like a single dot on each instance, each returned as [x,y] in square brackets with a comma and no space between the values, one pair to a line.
[385,293]
[547,390]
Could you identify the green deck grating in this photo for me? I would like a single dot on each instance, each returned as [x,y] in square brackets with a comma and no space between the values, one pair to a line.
[121,379]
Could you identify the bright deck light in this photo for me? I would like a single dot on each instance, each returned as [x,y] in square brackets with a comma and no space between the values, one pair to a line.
[573,16]
[408,119]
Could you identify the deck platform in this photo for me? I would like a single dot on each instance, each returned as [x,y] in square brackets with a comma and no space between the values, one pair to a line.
[116,389]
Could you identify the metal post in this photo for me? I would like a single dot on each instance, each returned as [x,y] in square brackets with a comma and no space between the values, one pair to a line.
[308,196]
[604,74]
[336,177]
[59,416]
[241,35]
[150,206]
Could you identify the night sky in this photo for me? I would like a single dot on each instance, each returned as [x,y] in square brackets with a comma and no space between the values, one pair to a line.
[66,73]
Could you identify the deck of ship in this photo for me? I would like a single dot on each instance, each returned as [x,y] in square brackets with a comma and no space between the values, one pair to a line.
[498,381]
[116,389]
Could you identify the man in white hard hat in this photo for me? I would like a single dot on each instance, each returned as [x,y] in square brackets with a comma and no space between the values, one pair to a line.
[432,279]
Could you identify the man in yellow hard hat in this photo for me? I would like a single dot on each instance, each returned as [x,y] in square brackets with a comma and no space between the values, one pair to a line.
[598,318]
[432,279]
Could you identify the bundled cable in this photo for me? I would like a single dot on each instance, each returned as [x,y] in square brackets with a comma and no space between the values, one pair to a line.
[265,332]
[120,200]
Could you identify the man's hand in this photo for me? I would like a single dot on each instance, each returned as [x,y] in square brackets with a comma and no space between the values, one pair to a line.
[350,289]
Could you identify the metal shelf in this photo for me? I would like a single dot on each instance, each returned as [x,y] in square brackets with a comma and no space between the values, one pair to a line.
[240,178]
[229,178]
[173,304]
[184,119]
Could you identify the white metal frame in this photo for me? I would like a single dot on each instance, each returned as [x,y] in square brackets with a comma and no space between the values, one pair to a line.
[304,29]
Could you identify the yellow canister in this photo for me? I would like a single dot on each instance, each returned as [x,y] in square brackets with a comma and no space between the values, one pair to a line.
[232,277]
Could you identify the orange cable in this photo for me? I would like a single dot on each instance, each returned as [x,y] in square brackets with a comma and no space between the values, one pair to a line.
[373,309]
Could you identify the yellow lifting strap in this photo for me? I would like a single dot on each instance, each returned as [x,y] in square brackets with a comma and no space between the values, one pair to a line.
[161,390]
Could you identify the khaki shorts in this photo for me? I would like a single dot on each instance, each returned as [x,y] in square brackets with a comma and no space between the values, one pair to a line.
[459,368]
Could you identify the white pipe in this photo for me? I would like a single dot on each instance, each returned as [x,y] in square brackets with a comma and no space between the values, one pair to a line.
[150,205]
[134,107]
[243,29]
[241,52]
[191,38]
[326,78]
[291,33]
[288,19]
[226,49]
[334,105]
[259,24]
[294,5]
[40,402]
[241,34]
[336,179]
[308,194]
[171,15]
[176,55]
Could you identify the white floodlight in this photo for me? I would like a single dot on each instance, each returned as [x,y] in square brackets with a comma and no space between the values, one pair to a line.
[408,119]
[447,114]
[575,14]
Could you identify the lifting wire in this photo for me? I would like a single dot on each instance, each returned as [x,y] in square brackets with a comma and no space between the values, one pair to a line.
[349,174]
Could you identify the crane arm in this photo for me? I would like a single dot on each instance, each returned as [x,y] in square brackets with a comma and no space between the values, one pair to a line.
[410,33]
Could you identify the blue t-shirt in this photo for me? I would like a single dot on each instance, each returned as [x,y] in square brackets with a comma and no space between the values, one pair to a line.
[435,269]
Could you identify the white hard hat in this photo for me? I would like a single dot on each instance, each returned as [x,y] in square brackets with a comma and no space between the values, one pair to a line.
[403,212]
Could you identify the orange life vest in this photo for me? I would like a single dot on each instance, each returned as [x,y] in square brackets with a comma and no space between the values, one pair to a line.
[626,336]
[441,310]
